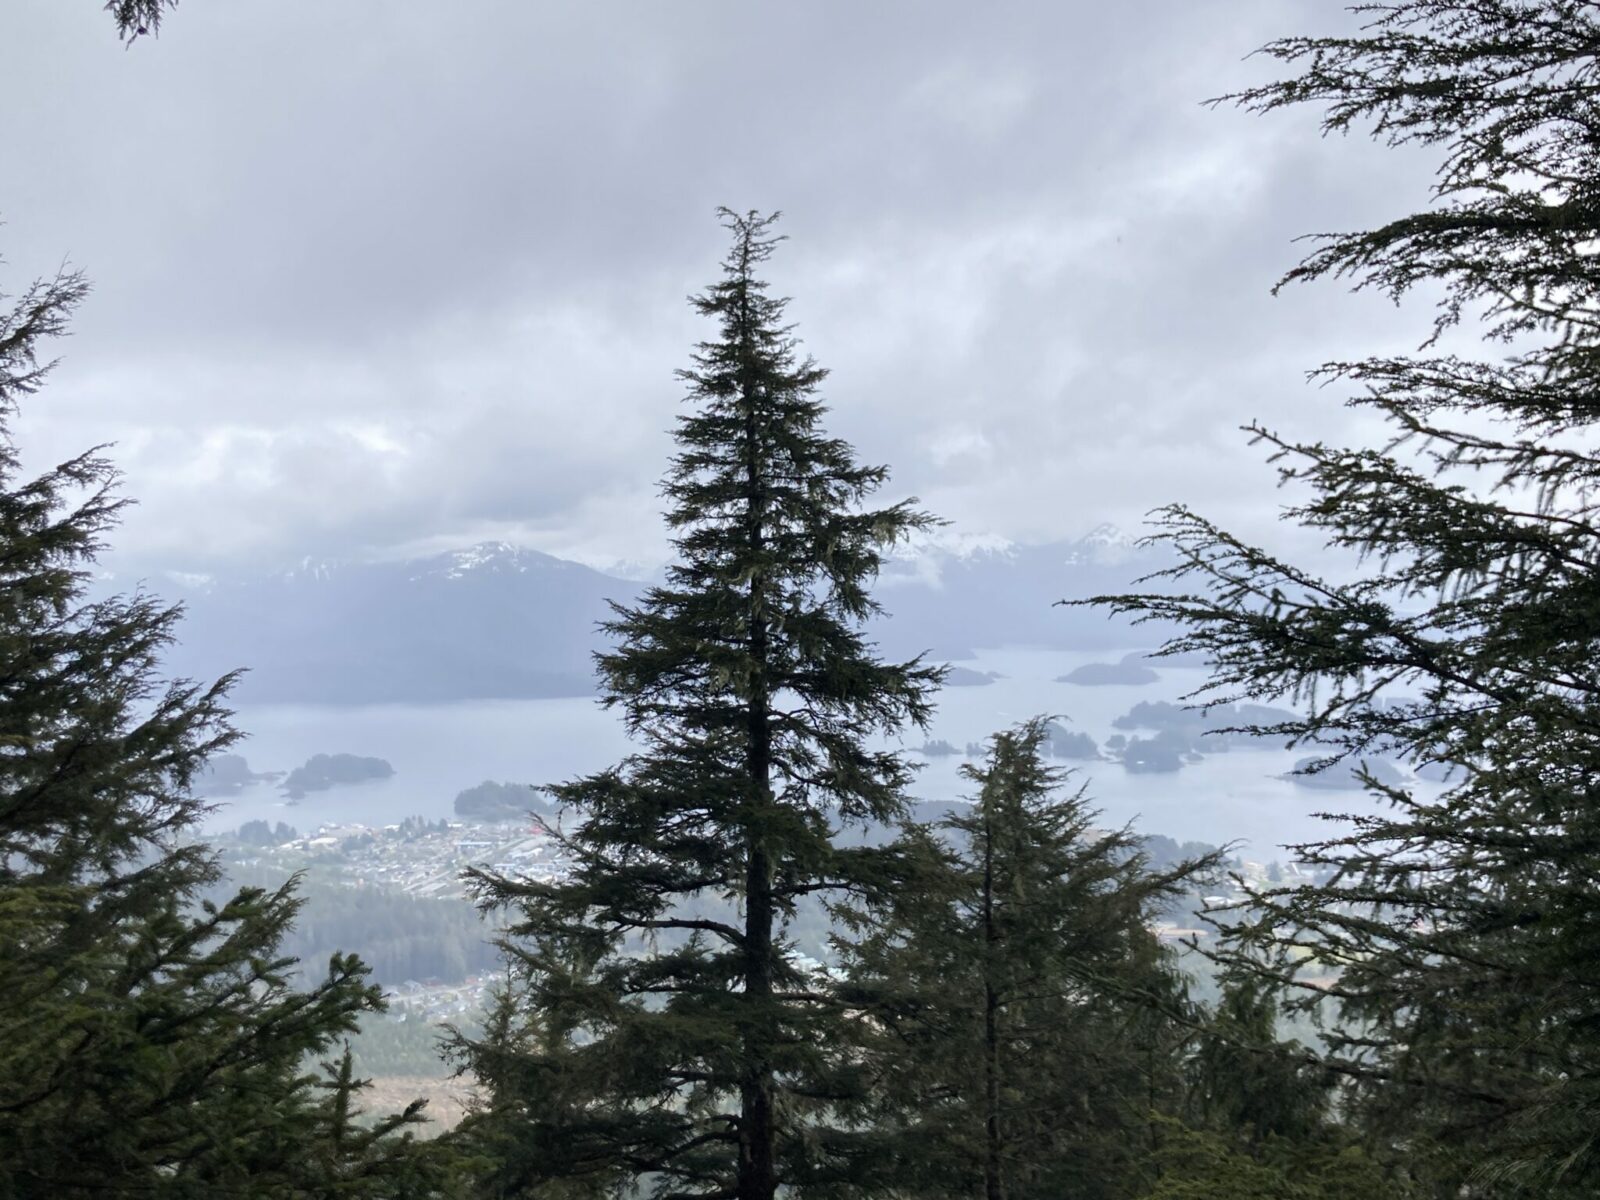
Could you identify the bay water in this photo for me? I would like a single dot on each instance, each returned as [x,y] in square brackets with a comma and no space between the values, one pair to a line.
[438,750]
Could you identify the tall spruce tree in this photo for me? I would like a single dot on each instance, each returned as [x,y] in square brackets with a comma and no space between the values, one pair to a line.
[1246,1082]
[148,1047]
[1463,924]
[1016,1006]
[660,1030]
[1261,1115]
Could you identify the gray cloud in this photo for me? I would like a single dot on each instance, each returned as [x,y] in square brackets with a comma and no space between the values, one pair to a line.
[377,276]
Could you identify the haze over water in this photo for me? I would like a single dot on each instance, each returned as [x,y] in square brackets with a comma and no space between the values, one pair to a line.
[438,750]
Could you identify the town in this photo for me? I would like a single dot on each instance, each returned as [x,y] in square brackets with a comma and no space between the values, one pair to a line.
[427,862]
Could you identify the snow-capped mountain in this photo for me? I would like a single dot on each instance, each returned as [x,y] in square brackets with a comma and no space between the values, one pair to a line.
[487,621]
[953,598]
[498,621]
[490,558]
[945,542]
[1103,546]
[925,555]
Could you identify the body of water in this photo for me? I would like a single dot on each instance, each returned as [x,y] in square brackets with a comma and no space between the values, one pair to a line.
[438,750]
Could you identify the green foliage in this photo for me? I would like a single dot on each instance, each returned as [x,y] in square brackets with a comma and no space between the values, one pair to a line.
[491,801]
[401,936]
[1199,1166]
[146,1047]
[1244,1080]
[1016,1010]
[259,833]
[705,1062]
[1195,1165]
[384,1047]
[1461,927]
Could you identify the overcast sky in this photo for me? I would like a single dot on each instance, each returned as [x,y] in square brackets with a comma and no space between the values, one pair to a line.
[377,276]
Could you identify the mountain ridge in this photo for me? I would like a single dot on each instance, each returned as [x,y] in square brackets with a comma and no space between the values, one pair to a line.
[499,621]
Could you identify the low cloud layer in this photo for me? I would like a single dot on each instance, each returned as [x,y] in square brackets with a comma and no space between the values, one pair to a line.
[377,277]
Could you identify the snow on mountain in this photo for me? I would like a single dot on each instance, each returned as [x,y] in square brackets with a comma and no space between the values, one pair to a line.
[948,542]
[487,621]
[496,620]
[488,558]
[194,581]
[924,557]
[959,593]
[315,569]
[1104,545]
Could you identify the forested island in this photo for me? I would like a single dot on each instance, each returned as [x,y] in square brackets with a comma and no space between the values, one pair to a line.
[1129,671]
[490,801]
[321,772]
[967,677]
[229,774]
[1058,742]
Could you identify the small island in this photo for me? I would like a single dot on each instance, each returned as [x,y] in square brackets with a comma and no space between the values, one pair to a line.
[1209,730]
[1162,754]
[323,771]
[1131,671]
[228,775]
[967,677]
[1344,776]
[1062,742]
[495,802]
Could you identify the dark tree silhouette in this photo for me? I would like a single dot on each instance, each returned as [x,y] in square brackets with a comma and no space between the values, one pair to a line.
[149,1044]
[659,1032]
[1461,930]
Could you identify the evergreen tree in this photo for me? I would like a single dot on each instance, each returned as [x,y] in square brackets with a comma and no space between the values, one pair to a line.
[137,18]
[1262,1114]
[1016,1007]
[146,1047]
[1193,1164]
[1247,1083]
[661,1030]
[1462,926]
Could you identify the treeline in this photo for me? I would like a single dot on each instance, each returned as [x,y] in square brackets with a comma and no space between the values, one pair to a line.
[151,1044]
[400,937]
[385,1047]
[261,833]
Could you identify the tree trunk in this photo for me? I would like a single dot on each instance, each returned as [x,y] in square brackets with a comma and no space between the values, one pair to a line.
[758,1173]
[758,1177]
[993,1184]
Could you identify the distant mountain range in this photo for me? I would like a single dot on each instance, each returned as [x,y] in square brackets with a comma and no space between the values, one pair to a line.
[496,621]
[954,598]
[490,622]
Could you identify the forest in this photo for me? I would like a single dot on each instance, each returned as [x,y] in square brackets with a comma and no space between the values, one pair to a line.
[731,992]
[401,937]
